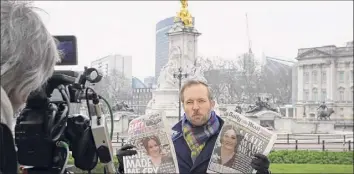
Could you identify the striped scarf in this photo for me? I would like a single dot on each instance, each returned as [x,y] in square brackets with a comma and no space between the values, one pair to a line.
[197,136]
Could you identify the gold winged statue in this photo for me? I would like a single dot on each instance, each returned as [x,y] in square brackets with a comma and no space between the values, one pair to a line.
[184,14]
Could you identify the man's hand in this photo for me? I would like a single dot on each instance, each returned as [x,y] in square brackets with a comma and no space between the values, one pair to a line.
[261,164]
[124,151]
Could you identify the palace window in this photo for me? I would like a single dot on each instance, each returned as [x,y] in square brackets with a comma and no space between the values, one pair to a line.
[341,76]
[306,95]
[314,94]
[341,94]
[324,95]
[306,77]
[324,77]
[314,77]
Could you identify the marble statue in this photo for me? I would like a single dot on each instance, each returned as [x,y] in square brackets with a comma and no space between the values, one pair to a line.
[166,79]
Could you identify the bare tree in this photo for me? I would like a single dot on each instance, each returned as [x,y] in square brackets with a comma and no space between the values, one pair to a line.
[115,87]
[222,77]
[210,73]
[277,80]
[232,79]
[249,79]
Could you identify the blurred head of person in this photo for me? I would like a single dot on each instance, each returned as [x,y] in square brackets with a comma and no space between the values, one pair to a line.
[152,146]
[198,102]
[28,55]
[230,138]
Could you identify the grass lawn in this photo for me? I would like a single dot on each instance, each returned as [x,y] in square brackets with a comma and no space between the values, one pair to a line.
[287,168]
[311,168]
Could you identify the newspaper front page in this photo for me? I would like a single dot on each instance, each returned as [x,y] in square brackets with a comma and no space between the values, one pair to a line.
[239,139]
[156,153]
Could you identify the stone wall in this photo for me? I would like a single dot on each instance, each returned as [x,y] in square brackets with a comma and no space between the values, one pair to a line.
[288,125]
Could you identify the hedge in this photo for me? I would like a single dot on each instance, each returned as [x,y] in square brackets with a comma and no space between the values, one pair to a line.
[310,157]
[283,157]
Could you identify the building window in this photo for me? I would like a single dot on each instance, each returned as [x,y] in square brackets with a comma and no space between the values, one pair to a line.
[341,76]
[314,77]
[306,95]
[341,94]
[314,94]
[324,95]
[324,77]
[306,77]
[351,75]
[341,112]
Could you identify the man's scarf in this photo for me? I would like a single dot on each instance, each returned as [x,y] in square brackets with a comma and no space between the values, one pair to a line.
[196,136]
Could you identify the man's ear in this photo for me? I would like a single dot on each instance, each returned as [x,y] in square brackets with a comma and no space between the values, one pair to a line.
[212,103]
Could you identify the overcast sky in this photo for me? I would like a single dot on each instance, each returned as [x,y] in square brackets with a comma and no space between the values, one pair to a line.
[277,29]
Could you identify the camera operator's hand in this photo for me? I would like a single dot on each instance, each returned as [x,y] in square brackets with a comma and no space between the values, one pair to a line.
[124,151]
[260,163]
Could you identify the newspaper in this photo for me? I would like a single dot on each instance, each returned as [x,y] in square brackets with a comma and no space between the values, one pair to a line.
[239,139]
[156,152]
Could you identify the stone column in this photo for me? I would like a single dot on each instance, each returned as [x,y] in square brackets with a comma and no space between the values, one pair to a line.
[334,80]
[300,92]
[300,86]
[310,85]
[287,112]
[347,95]
[329,80]
[319,77]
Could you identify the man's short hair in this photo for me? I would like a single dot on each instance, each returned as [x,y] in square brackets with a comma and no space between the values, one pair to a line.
[190,83]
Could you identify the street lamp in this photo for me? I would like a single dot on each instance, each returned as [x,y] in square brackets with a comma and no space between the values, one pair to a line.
[179,76]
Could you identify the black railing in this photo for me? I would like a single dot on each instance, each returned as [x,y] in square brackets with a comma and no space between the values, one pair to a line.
[311,142]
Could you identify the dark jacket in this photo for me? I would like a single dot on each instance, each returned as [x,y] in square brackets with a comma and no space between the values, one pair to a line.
[8,156]
[183,152]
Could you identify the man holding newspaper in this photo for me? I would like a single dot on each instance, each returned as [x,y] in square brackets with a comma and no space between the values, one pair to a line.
[196,138]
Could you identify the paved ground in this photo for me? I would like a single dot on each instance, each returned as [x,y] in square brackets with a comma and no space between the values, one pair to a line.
[314,146]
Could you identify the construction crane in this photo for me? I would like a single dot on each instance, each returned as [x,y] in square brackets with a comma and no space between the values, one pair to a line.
[248,37]
[247,58]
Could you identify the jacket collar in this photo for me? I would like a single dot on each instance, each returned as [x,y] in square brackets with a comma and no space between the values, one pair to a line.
[202,157]
[178,127]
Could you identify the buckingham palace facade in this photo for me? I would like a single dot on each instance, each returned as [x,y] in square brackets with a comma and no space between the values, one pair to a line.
[325,74]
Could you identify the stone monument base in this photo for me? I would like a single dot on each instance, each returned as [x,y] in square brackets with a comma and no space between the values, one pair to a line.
[165,100]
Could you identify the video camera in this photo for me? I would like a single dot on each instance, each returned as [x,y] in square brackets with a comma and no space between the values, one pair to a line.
[45,132]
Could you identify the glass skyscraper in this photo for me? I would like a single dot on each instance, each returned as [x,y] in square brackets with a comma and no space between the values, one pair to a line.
[162,50]
[161,53]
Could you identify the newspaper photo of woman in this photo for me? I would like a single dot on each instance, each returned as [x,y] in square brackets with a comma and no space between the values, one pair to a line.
[159,159]
[230,140]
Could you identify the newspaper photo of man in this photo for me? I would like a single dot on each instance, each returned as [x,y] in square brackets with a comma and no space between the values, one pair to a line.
[157,157]
[229,140]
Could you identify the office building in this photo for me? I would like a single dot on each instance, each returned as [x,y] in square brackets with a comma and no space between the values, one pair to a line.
[141,97]
[107,64]
[149,81]
[161,54]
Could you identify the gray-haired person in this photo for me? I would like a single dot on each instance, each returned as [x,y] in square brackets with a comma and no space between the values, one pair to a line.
[28,56]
